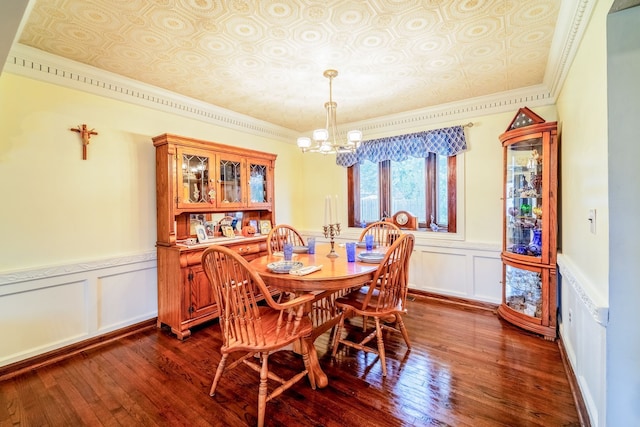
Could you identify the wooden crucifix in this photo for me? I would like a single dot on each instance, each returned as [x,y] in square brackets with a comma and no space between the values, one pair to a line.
[85,134]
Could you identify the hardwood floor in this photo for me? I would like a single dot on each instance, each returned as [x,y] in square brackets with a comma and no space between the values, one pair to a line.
[466,368]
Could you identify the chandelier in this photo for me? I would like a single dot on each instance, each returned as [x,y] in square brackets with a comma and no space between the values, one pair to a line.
[325,140]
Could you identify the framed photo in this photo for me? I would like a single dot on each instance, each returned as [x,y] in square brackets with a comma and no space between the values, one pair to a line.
[254,223]
[227,231]
[201,232]
[210,227]
[265,226]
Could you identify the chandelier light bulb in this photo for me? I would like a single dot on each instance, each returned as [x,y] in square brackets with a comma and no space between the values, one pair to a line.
[354,136]
[320,135]
[304,142]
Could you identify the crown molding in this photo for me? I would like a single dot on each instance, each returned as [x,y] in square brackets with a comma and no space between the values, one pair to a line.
[533,96]
[37,64]
[573,19]
[572,22]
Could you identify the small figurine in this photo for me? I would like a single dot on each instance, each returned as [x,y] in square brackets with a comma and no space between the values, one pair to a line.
[433,225]
[534,159]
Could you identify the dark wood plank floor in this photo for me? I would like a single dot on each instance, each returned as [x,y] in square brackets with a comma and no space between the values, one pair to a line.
[466,368]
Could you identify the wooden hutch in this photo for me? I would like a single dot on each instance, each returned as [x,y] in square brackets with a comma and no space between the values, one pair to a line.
[198,182]
[529,243]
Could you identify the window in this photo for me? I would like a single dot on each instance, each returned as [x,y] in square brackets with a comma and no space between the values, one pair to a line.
[425,187]
[414,172]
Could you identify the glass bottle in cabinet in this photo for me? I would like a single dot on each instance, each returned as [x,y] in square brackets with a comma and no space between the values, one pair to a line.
[529,224]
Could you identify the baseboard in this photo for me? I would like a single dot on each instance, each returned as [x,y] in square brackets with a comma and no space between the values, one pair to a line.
[17,368]
[418,294]
[581,407]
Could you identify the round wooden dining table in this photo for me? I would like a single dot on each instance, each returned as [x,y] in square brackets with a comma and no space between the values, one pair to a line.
[335,275]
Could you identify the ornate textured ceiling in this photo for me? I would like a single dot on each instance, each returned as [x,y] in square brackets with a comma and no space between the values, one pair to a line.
[265,58]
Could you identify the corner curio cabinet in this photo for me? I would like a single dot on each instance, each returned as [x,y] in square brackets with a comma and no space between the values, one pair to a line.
[209,184]
[529,288]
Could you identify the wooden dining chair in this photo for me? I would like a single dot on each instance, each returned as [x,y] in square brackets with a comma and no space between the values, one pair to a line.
[386,301]
[281,234]
[384,232]
[254,329]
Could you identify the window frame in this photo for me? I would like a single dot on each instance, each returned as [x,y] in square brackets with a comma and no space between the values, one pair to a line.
[384,185]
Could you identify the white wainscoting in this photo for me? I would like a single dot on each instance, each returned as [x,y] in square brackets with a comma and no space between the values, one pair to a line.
[459,269]
[48,308]
[582,324]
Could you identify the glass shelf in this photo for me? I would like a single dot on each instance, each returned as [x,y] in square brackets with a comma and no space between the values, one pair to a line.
[523,291]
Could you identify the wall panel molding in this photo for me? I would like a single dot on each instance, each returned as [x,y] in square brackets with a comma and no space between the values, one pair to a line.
[48,308]
[571,274]
[8,278]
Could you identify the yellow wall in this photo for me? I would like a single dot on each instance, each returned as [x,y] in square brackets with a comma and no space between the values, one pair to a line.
[60,209]
[105,206]
[582,104]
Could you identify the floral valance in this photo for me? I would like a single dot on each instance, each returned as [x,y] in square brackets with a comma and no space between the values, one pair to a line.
[446,142]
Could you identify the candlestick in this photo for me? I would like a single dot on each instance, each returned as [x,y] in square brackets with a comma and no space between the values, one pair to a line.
[331,231]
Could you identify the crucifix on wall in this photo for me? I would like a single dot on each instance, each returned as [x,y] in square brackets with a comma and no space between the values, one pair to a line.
[85,134]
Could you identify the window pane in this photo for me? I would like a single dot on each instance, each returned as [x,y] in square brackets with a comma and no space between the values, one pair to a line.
[369,192]
[442,200]
[408,187]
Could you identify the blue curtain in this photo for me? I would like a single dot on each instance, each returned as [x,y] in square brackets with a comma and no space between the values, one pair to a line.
[446,142]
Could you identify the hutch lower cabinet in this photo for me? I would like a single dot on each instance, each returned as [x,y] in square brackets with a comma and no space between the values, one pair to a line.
[185,298]
[207,186]
[529,286]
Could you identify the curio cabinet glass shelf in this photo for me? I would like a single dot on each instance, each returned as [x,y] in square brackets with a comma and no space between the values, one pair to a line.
[529,294]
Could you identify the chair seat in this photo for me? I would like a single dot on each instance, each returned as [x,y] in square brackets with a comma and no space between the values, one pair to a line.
[354,301]
[269,318]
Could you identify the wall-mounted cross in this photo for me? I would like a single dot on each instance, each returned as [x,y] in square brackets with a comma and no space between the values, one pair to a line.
[85,134]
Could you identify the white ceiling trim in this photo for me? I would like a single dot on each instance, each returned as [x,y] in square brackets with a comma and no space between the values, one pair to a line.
[40,65]
[566,40]
[37,64]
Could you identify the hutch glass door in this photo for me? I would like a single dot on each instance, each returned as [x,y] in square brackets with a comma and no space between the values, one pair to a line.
[259,183]
[194,179]
[230,189]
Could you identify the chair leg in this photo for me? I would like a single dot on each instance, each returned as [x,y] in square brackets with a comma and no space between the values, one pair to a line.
[381,347]
[262,389]
[336,337]
[219,371]
[403,329]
